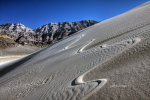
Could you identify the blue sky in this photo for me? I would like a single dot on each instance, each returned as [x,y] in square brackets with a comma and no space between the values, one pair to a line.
[34,13]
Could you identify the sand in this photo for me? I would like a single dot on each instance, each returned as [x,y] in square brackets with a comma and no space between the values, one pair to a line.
[7,59]
[19,50]
[107,61]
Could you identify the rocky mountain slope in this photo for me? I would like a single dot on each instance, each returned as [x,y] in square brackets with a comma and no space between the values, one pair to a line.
[55,31]
[13,34]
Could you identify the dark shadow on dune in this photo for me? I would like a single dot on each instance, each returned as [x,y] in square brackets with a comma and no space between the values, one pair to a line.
[73,82]
[9,67]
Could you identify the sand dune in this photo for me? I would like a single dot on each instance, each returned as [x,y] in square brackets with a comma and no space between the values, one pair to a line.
[7,59]
[107,61]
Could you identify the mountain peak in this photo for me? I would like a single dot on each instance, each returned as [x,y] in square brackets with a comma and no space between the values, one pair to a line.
[45,34]
[17,27]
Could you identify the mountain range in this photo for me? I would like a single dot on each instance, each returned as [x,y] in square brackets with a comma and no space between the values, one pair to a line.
[12,35]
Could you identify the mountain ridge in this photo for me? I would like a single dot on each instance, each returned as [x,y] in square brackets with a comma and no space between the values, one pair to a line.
[41,36]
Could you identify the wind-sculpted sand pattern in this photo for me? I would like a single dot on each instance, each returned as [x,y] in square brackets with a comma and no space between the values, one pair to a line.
[108,61]
[128,74]
[80,89]
[83,89]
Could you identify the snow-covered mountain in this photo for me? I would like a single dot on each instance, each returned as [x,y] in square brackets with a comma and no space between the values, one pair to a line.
[55,31]
[42,36]
[17,27]
[13,34]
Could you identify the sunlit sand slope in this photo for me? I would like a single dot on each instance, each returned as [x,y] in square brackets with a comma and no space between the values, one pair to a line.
[107,61]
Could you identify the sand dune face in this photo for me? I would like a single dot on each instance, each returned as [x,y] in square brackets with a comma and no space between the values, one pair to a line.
[107,61]
[6,59]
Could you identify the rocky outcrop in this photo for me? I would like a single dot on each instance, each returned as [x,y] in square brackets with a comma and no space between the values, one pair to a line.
[14,34]
[6,41]
[55,31]
[17,33]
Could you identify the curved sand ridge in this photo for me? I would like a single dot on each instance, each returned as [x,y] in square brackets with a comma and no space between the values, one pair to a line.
[84,89]
[79,80]
[101,82]
[124,72]
[91,44]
